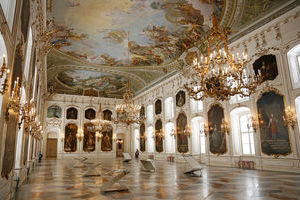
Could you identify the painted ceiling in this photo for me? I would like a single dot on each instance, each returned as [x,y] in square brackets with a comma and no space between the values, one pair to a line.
[142,41]
[133,32]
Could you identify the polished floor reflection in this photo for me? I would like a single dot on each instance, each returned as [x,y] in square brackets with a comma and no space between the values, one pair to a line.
[58,179]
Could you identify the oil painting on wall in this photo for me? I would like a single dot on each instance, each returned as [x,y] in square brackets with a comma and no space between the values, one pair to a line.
[142,138]
[54,112]
[158,107]
[266,66]
[158,137]
[106,142]
[182,138]
[274,134]
[180,98]
[89,138]
[217,138]
[107,115]
[72,113]
[9,148]
[142,112]
[90,114]
[133,32]
[70,138]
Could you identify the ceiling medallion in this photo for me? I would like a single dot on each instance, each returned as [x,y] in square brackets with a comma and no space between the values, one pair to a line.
[220,75]
[128,112]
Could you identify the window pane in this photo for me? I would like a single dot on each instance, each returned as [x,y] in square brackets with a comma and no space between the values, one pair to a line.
[244,123]
[150,114]
[246,148]
[245,138]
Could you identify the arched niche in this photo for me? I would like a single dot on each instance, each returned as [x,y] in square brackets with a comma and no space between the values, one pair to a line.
[266,65]
[273,132]
[89,140]
[70,144]
[54,111]
[182,137]
[107,140]
[90,114]
[217,138]
[158,138]
[180,98]
[107,115]
[72,113]
[158,107]
[142,138]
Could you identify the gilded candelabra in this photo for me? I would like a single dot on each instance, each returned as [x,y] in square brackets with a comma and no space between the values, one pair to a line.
[80,135]
[220,75]
[290,117]
[14,100]
[100,125]
[4,77]
[160,134]
[225,128]
[127,112]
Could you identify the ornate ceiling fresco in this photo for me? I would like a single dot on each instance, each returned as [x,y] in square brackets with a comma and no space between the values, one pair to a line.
[138,40]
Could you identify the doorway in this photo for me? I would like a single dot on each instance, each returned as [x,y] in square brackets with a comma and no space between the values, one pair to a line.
[120,147]
[51,151]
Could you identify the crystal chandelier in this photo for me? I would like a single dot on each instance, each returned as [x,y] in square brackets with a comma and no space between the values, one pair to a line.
[220,74]
[100,125]
[128,112]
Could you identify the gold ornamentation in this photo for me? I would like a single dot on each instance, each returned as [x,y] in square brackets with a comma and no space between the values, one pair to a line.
[220,75]
[290,117]
[4,77]
[127,112]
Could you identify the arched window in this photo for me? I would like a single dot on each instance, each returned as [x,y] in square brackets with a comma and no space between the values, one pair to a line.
[4,53]
[196,106]
[242,132]
[150,139]
[169,108]
[8,7]
[170,139]
[150,114]
[72,113]
[297,105]
[294,64]
[28,55]
[198,136]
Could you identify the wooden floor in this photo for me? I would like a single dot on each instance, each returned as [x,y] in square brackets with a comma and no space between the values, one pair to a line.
[58,179]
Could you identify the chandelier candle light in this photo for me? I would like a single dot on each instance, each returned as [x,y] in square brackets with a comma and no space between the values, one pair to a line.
[128,112]
[100,125]
[220,74]
[4,76]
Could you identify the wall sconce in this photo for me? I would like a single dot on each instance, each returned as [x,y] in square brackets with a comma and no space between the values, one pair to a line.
[14,99]
[28,114]
[205,129]
[290,117]
[62,138]
[4,77]
[255,122]
[225,127]
[80,135]
[143,137]
[98,136]
[119,141]
[187,131]
[160,134]
[173,133]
